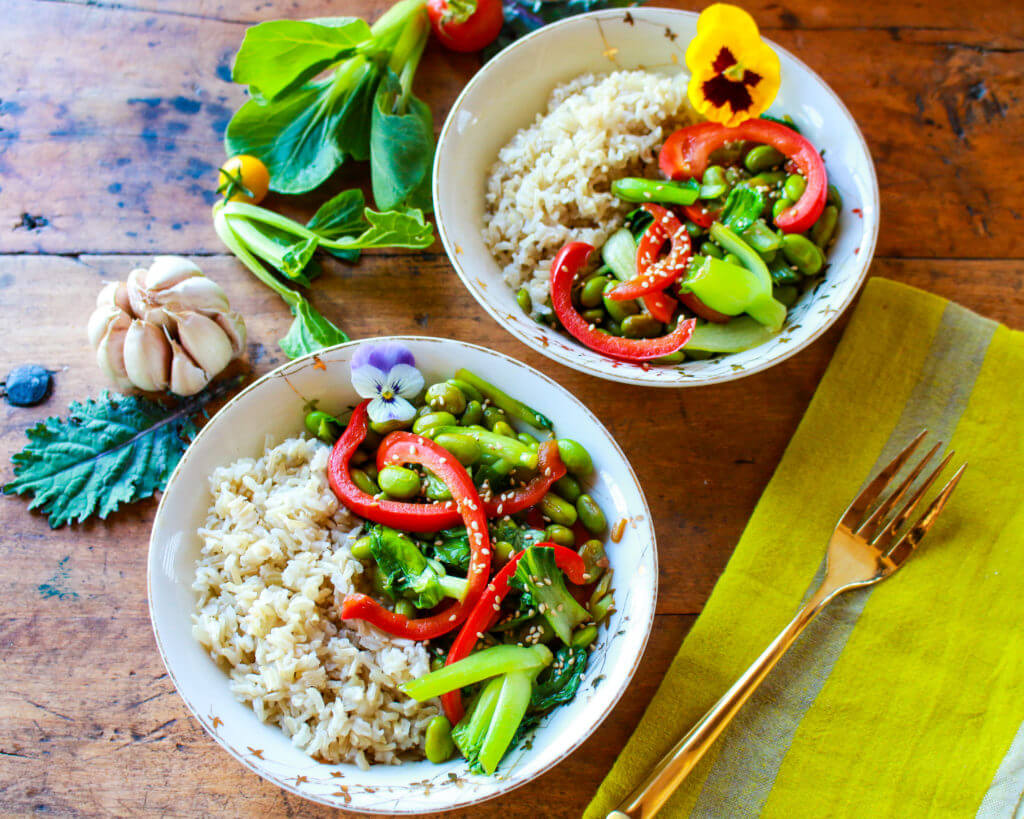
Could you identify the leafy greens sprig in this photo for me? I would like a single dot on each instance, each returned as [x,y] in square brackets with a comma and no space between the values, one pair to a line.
[303,126]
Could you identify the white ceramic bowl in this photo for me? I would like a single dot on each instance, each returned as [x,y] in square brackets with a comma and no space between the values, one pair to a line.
[513,88]
[276,405]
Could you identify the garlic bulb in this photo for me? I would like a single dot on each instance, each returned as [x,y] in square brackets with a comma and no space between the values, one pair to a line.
[167,327]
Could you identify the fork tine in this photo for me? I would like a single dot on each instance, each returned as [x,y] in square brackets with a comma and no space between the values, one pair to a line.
[863,501]
[883,540]
[869,528]
[906,545]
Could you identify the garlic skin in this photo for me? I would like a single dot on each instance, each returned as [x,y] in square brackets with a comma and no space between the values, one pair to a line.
[167,327]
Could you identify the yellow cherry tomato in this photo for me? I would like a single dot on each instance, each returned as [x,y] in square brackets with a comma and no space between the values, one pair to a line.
[243,178]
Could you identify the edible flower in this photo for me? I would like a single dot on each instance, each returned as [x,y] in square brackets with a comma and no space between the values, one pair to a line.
[734,75]
[385,373]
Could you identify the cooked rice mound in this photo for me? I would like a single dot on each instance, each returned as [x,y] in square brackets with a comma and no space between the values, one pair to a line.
[275,549]
[551,183]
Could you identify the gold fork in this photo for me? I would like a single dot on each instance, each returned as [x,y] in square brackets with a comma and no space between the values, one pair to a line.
[864,549]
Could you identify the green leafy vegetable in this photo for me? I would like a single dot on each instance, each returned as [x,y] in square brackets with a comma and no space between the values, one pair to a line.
[539,576]
[406,572]
[742,208]
[110,451]
[309,332]
[453,548]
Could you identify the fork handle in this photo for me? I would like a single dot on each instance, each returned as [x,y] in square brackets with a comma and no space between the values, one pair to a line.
[662,782]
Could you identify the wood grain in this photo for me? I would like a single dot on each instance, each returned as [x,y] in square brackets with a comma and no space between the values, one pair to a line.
[110,121]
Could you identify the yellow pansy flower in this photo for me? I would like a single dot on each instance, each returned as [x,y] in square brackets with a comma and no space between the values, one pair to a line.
[734,74]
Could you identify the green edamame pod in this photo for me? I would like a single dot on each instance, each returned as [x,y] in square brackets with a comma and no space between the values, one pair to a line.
[562,535]
[361,549]
[803,253]
[584,636]
[590,514]
[593,289]
[794,187]
[399,482]
[762,157]
[464,447]
[575,457]
[824,229]
[438,745]
[557,510]
[641,326]
[523,300]
[425,423]
[473,415]
[364,482]
[568,487]
[446,397]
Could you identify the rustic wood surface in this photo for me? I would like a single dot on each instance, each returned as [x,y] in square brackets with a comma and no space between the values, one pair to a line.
[110,122]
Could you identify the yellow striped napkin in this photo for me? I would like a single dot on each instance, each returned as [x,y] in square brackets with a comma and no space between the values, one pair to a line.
[905,699]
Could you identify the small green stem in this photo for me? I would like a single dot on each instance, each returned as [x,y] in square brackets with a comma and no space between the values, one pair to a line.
[235,245]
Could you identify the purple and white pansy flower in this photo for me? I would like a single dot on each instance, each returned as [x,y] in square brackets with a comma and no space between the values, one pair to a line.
[386,374]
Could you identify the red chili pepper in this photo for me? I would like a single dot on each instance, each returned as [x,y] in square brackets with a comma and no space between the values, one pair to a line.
[404,448]
[654,274]
[549,469]
[482,617]
[686,153]
[563,270]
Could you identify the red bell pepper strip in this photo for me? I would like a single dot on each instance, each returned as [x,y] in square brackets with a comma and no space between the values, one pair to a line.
[654,274]
[686,153]
[563,270]
[549,469]
[486,611]
[403,448]
[702,310]
[660,305]
[699,215]
[411,517]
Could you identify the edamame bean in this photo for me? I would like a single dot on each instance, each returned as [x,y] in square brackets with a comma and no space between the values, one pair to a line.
[437,741]
[322,425]
[618,310]
[590,514]
[384,427]
[768,179]
[557,510]
[561,535]
[468,390]
[732,258]
[575,457]
[371,470]
[762,157]
[595,561]
[678,357]
[405,608]
[492,415]
[568,487]
[780,205]
[523,300]
[833,197]
[584,636]
[786,293]
[825,227]
[425,423]
[364,482]
[435,489]
[711,249]
[528,439]
[593,315]
[361,548]
[504,428]
[399,482]
[504,550]
[761,237]
[465,448]
[713,184]
[446,397]
[782,272]
[593,289]
[794,187]
[803,253]
[641,326]
[473,415]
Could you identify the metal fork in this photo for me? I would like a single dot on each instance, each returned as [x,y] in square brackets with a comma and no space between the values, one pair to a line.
[864,550]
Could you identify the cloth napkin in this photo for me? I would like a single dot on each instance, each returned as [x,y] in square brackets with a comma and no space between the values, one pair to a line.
[905,699]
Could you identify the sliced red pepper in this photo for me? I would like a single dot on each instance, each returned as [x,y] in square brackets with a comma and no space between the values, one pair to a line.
[563,271]
[405,448]
[549,469]
[660,305]
[702,310]
[411,517]
[699,215]
[486,611]
[687,152]
[654,274]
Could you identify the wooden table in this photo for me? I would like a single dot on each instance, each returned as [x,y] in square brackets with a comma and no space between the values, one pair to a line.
[110,121]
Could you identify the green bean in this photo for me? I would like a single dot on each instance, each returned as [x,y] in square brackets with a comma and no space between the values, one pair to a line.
[473,415]
[803,253]
[437,741]
[528,439]
[825,227]
[405,608]
[504,550]
[568,487]
[361,548]
[557,510]
[834,197]
[709,248]
[641,326]
[513,406]
[595,561]
[618,310]
[794,187]
[492,416]
[384,427]
[593,289]
[780,205]
[637,189]
[399,482]
[523,300]
[446,397]
[504,428]
[425,423]
[562,535]
[496,444]
[464,447]
[714,184]
[584,636]
[575,457]
[590,514]
[768,179]
[364,482]
[762,157]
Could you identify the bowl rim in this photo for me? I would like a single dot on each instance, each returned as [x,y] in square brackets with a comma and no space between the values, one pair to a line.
[864,259]
[501,789]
